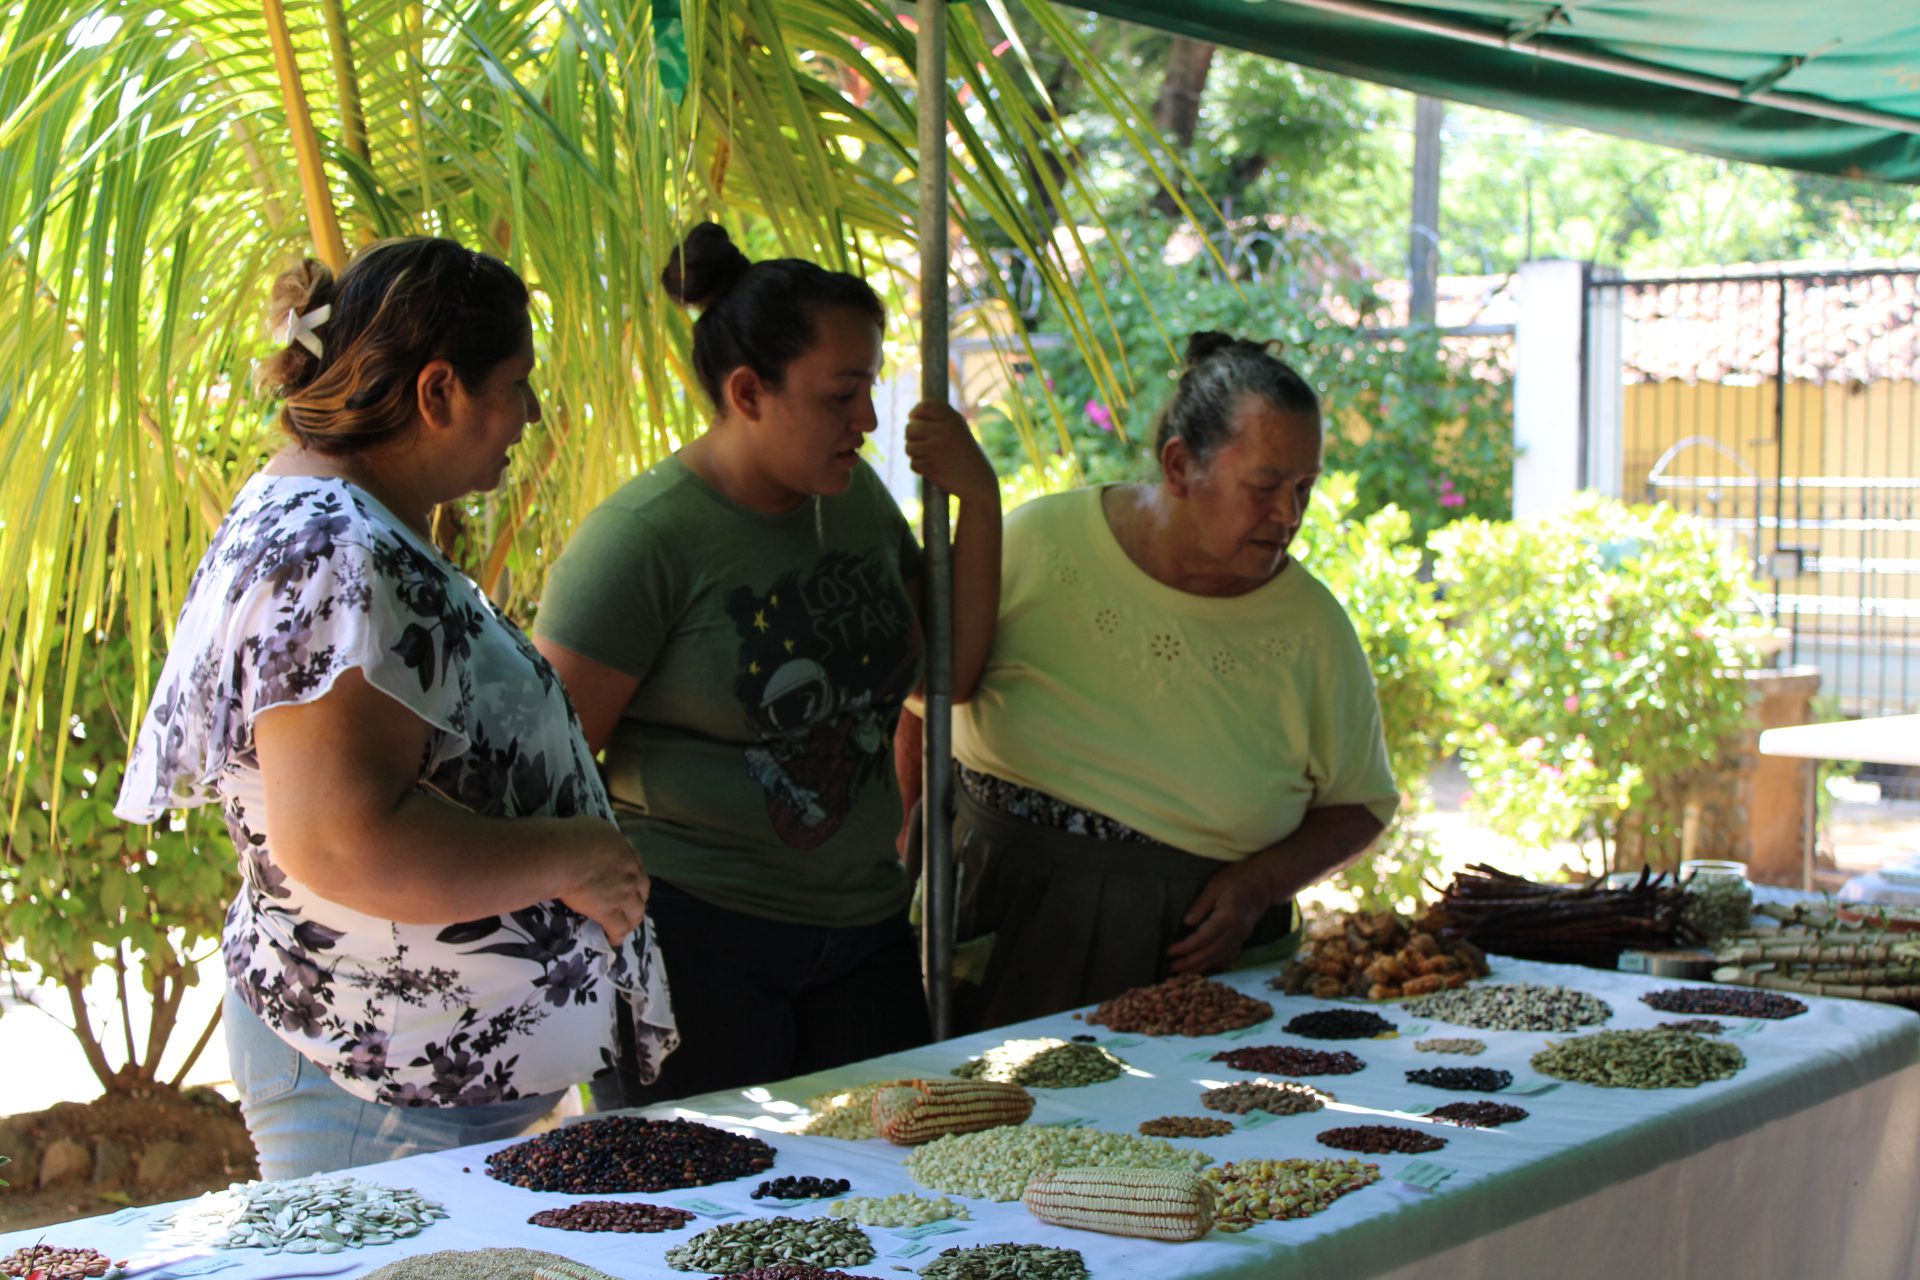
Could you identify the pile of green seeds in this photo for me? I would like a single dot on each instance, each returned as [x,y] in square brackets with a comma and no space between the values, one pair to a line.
[1043,1064]
[1007,1262]
[996,1164]
[1640,1060]
[1512,1006]
[1253,1191]
[759,1242]
[1281,1098]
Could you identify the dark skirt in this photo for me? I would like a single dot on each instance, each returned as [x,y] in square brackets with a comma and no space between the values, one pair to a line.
[1072,920]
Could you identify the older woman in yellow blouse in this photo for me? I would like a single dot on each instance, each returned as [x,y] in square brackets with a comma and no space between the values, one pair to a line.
[1176,731]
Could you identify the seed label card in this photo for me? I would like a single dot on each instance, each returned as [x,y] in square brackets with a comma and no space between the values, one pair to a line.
[1424,1175]
[942,1227]
[709,1209]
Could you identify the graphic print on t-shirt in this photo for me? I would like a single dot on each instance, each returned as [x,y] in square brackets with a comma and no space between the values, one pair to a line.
[826,658]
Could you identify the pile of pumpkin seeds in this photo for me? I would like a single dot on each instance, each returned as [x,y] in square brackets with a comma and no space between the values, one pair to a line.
[1512,1006]
[760,1242]
[1264,1190]
[1006,1261]
[318,1214]
[996,1164]
[1640,1059]
[1043,1064]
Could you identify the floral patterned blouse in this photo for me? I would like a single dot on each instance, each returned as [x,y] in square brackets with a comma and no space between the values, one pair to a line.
[306,578]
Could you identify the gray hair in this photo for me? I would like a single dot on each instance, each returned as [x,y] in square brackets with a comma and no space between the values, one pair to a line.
[1219,370]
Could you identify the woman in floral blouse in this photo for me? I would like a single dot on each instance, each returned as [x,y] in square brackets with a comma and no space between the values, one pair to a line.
[438,921]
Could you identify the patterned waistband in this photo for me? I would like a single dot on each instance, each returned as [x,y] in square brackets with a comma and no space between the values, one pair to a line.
[1043,810]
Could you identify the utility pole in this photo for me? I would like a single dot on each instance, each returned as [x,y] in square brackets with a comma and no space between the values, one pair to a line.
[1423,245]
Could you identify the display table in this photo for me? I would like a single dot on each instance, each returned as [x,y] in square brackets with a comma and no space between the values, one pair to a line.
[1880,739]
[1805,1163]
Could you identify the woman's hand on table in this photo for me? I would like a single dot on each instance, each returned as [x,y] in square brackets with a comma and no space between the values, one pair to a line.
[1222,916]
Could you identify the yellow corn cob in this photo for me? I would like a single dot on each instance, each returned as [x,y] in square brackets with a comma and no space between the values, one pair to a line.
[1156,1204]
[922,1110]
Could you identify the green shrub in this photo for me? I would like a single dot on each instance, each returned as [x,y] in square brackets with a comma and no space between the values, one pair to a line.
[1592,651]
[1410,419]
[90,892]
[1372,566]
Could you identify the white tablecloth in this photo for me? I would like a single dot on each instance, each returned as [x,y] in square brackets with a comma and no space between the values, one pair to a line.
[1801,1165]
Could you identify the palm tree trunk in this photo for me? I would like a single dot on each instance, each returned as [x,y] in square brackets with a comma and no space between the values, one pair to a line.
[322,222]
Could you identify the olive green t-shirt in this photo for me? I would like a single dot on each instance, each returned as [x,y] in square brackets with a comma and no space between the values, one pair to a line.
[753,767]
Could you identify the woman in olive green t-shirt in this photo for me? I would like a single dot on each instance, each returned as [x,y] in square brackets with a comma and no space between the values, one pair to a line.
[738,628]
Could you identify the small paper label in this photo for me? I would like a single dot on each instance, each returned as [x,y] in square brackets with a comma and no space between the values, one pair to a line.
[940,1228]
[1244,1032]
[1120,1042]
[1532,1089]
[1424,1175]
[199,1267]
[709,1209]
[908,1249]
[1071,1122]
[124,1217]
[1744,1030]
[1414,1029]
[1198,1055]
[1257,1119]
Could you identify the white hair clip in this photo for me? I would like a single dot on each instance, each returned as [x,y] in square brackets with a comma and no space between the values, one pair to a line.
[300,328]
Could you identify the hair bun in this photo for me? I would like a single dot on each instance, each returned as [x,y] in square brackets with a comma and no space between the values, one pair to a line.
[704,265]
[1207,343]
[298,289]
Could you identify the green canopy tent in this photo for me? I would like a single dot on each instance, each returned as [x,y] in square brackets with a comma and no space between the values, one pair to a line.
[1829,88]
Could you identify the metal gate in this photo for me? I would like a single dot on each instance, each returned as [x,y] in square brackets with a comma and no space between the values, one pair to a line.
[1784,409]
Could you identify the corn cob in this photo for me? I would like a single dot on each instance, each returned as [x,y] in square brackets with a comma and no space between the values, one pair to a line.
[1156,1204]
[921,1110]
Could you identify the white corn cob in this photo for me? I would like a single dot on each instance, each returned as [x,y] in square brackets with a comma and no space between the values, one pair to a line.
[922,1110]
[1156,1204]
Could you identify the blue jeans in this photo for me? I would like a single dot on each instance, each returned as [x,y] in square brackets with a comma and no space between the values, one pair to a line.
[304,1123]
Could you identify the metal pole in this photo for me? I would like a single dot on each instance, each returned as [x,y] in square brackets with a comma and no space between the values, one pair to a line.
[936,797]
[1423,248]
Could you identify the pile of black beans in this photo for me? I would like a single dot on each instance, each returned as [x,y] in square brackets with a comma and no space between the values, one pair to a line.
[1339,1024]
[1285,1060]
[1381,1139]
[626,1153]
[807,1188]
[1479,1115]
[1464,1079]
[1725,1002]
